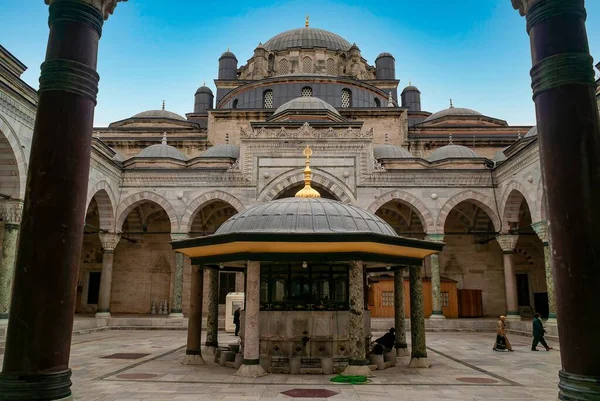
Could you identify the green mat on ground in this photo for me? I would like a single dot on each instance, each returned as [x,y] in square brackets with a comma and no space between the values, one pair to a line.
[349,379]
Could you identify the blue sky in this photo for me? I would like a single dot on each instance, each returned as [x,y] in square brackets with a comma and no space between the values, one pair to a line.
[473,51]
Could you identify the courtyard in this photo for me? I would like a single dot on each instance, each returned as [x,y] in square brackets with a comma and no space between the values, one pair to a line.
[128,365]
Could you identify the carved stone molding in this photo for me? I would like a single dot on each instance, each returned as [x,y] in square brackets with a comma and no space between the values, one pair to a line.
[17,111]
[305,131]
[11,212]
[109,241]
[106,7]
[507,242]
[541,229]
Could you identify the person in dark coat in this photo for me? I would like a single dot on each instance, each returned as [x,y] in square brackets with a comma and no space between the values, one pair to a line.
[538,333]
[236,320]
[386,342]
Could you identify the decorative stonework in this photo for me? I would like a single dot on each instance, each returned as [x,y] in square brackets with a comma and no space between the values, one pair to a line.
[11,212]
[507,242]
[106,7]
[305,131]
[109,241]
[541,229]
[16,111]
[415,203]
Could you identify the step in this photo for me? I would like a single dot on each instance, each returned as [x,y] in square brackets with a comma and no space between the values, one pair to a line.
[275,369]
[311,371]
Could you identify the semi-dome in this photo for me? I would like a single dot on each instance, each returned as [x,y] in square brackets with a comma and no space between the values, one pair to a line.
[162,150]
[159,114]
[305,215]
[452,151]
[389,151]
[224,150]
[453,111]
[307,38]
[532,132]
[306,103]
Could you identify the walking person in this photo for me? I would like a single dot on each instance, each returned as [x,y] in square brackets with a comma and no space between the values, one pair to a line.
[538,333]
[502,342]
[236,320]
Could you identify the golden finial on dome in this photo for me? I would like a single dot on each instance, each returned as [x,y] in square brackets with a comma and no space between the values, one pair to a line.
[307,191]
[307,23]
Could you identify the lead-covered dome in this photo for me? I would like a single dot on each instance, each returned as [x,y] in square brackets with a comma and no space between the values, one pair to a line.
[453,111]
[306,103]
[162,150]
[452,152]
[307,38]
[159,114]
[388,151]
[305,215]
[224,150]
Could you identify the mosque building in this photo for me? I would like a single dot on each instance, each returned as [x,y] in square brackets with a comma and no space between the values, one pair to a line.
[455,176]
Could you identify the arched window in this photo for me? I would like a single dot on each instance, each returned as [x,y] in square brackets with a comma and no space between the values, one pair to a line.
[284,67]
[268,99]
[346,98]
[377,102]
[306,64]
[235,103]
[330,67]
[307,91]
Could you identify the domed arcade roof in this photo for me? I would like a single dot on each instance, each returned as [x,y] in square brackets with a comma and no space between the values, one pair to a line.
[307,38]
[224,150]
[389,151]
[159,114]
[452,111]
[452,151]
[306,103]
[162,150]
[305,215]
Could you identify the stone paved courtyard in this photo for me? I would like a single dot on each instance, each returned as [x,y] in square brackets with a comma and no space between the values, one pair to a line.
[464,367]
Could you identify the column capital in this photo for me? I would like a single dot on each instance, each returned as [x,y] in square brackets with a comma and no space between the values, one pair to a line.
[179,236]
[109,241]
[106,7]
[541,229]
[522,5]
[435,237]
[507,242]
[11,211]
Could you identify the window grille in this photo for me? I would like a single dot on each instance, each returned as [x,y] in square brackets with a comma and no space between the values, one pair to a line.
[346,98]
[330,67]
[306,64]
[284,67]
[307,91]
[268,99]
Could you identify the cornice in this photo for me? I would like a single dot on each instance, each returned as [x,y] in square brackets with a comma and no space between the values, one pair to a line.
[17,110]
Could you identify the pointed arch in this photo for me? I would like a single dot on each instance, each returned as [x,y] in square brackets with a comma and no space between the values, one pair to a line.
[19,154]
[197,204]
[511,203]
[422,211]
[129,203]
[477,198]
[105,199]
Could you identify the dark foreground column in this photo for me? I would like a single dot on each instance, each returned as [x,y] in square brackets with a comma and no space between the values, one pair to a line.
[38,342]
[569,136]
[193,352]
[399,316]
[418,355]
[11,214]
[357,364]
[109,243]
[251,365]
[541,229]
[212,318]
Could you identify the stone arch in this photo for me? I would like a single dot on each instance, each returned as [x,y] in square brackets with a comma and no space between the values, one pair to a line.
[405,197]
[294,177]
[106,201]
[19,154]
[197,204]
[541,212]
[478,198]
[129,203]
[511,203]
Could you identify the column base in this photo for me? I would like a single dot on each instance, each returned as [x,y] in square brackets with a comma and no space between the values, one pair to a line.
[209,349]
[193,359]
[402,352]
[254,370]
[577,387]
[102,315]
[176,315]
[51,387]
[355,370]
[437,315]
[419,363]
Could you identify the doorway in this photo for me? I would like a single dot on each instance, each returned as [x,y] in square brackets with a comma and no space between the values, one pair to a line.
[93,288]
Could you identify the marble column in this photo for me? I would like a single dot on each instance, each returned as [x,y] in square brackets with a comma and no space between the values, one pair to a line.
[109,243]
[418,354]
[399,316]
[357,363]
[11,214]
[541,229]
[569,142]
[251,364]
[38,340]
[193,352]
[507,244]
[212,319]
[176,302]
[436,285]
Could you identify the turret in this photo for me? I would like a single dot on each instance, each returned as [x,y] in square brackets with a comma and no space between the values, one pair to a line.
[385,66]
[411,98]
[228,66]
[203,100]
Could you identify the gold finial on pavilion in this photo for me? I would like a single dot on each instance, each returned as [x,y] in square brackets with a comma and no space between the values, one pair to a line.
[307,23]
[307,191]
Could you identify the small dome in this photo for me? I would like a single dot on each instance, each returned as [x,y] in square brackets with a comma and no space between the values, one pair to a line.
[384,54]
[162,150]
[118,157]
[305,215]
[228,54]
[452,111]
[388,151]
[532,132]
[204,89]
[500,156]
[411,88]
[307,38]
[159,114]
[306,103]
[225,150]
[452,152]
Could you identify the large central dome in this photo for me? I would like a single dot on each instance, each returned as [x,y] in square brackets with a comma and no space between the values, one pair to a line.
[307,38]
